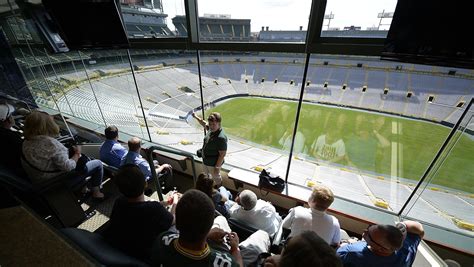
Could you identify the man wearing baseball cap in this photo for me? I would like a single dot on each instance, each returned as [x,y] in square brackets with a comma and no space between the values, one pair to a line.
[10,141]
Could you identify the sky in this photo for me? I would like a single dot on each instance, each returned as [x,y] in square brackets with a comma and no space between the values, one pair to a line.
[288,14]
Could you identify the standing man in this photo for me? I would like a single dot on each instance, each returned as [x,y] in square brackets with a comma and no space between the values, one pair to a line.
[214,147]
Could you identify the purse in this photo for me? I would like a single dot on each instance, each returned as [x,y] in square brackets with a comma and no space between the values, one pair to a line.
[270,182]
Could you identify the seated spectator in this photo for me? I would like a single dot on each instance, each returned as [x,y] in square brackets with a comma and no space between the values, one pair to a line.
[10,141]
[315,218]
[219,197]
[305,249]
[135,223]
[194,220]
[384,245]
[133,157]
[44,157]
[111,151]
[255,212]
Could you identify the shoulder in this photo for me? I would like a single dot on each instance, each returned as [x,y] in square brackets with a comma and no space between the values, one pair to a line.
[302,210]
[353,248]
[222,135]
[118,146]
[264,205]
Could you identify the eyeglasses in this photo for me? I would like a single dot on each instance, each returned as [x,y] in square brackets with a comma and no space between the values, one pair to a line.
[371,240]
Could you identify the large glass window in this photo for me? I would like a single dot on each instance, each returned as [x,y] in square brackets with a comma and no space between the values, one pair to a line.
[168,83]
[445,197]
[263,21]
[253,94]
[358,19]
[154,18]
[376,127]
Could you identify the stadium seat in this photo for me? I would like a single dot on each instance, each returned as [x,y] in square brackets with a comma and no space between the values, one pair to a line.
[242,230]
[96,246]
[51,197]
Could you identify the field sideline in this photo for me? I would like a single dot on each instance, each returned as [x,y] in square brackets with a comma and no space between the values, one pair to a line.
[374,143]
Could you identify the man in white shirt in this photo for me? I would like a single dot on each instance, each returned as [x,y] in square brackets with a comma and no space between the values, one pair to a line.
[315,218]
[255,212]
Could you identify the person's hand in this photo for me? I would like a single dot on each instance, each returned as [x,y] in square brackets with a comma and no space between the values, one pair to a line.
[217,235]
[193,114]
[77,149]
[167,166]
[233,239]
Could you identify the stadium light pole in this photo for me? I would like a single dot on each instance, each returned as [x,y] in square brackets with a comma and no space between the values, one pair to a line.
[298,110]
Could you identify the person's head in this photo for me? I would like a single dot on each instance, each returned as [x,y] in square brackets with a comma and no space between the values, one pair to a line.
[205,184]
[214,119]
[6,115]
[135,144]
[247,199]
[194,216]
[40,123]
[308,249]
[383,240]
[130,181]
[321,198]
[111,132]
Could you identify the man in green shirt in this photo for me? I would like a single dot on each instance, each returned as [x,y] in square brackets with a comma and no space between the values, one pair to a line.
[194,219]
[214,146]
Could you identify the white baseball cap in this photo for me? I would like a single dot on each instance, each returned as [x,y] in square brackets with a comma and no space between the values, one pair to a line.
[6,110]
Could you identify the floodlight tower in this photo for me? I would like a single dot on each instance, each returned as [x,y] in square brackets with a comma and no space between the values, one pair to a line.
[384,15]
[329,17]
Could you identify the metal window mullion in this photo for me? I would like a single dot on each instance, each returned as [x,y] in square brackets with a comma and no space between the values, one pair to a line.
[92,88]
[138,94]
[298,110]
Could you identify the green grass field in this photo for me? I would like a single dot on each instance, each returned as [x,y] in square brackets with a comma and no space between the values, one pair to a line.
[374,143]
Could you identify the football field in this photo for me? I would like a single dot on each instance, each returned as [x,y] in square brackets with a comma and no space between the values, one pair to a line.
[378,144]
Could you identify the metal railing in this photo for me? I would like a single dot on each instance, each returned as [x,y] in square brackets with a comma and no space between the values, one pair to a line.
[149,156]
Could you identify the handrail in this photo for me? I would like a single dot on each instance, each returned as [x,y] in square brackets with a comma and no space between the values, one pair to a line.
[149,157]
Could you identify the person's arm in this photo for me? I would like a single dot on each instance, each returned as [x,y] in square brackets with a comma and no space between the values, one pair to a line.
[220,161]
[173,207]
[414,228]
[288,219]
[234,248]
[60,156]
[200,120]
[162,168]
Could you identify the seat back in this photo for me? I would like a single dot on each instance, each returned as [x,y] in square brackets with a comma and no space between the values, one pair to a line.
[98,248]
[243,230]
[52,196]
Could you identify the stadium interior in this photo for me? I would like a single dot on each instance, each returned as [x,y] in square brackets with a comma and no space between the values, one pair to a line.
[406,128]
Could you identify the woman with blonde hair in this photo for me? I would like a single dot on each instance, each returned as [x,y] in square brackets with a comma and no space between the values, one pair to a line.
[44,157]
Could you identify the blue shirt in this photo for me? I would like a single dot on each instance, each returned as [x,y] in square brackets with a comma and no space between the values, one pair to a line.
[358,254]
[112,152]
[137,159]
